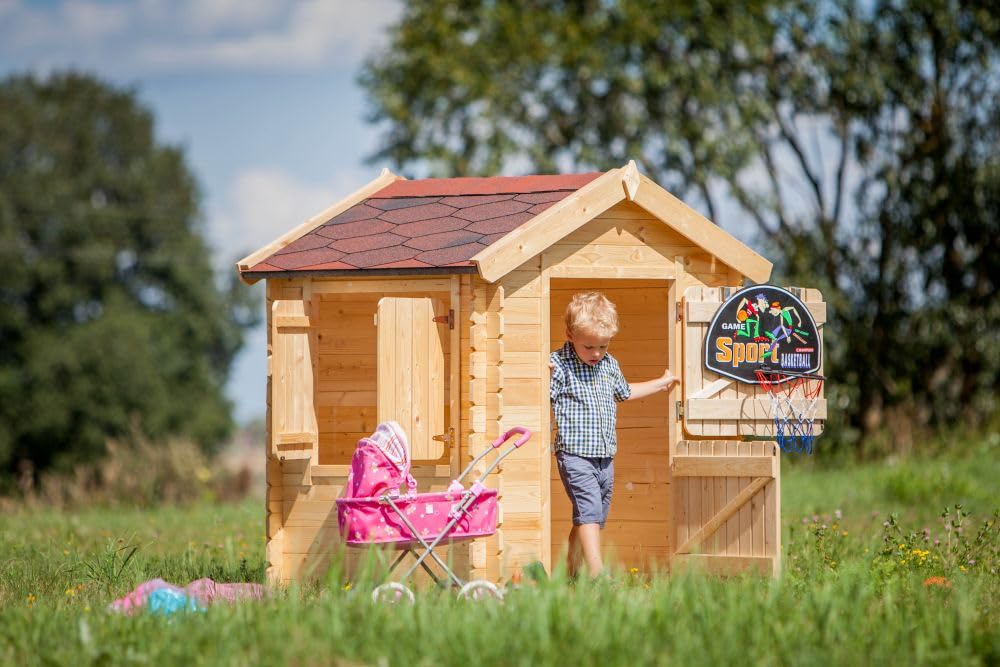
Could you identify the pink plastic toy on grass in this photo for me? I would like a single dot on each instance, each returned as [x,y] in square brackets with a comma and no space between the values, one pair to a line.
[202,591]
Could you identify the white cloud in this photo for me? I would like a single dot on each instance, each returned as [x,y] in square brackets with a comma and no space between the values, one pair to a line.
[27,28]
[93,20]
[262,204]
[138,38]
[310,35]
[201,17]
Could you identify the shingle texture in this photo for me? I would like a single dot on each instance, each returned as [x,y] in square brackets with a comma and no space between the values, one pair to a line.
[420,224]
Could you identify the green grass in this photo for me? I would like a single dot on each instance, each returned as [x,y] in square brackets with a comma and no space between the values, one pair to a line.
[852,591]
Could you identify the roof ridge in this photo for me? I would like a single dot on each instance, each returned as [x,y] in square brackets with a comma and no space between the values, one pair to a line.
[485,185]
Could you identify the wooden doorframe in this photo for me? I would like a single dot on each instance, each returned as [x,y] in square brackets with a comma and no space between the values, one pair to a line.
[672,329]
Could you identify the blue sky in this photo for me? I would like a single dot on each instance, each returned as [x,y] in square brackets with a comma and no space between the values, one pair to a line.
[259,93]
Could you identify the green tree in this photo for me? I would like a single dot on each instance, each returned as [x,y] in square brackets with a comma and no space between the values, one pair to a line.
[111,319]
[926,133]
[855,139]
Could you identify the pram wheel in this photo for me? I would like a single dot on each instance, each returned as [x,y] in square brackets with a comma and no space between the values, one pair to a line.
[480,590]
[392,593]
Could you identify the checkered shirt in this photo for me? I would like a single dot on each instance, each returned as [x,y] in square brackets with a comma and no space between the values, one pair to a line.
[583,400]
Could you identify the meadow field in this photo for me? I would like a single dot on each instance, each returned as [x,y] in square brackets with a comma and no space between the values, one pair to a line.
[887,563]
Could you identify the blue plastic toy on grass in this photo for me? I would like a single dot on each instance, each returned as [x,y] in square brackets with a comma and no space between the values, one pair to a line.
[166,601]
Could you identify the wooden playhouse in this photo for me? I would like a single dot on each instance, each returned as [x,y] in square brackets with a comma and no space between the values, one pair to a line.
[437,302]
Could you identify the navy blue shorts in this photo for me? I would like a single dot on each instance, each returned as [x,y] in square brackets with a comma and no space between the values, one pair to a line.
[588,483]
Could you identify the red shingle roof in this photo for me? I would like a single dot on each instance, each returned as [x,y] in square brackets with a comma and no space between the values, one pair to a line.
[421,224]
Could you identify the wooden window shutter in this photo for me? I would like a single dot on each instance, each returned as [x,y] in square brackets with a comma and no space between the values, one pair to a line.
[411,372]
[294,432]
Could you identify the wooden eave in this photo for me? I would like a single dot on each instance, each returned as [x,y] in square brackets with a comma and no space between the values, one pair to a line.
[624,183]
[251,277]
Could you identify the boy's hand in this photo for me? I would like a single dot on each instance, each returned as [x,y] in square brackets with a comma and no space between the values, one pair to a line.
[649,387]
[668,380]
[552,366]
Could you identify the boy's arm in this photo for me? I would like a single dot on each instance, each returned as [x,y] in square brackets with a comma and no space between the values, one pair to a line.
[556,381]
[650,387]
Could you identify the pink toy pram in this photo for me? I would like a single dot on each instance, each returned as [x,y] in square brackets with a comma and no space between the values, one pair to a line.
[372,510]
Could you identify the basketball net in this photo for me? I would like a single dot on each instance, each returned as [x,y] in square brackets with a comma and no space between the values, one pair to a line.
[793,424]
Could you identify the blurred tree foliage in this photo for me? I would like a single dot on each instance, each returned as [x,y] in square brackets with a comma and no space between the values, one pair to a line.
[111,322]
[856,140]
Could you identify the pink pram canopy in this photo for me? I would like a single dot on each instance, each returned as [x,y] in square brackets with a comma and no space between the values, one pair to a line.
[381,464]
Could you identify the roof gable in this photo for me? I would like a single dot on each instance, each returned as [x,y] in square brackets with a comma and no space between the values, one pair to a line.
[464,224]
[616,185]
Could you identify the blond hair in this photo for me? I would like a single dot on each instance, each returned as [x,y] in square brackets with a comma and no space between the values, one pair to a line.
[591,313]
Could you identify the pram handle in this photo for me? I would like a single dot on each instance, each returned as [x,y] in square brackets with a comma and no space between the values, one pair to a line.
[525,436]
[495,445]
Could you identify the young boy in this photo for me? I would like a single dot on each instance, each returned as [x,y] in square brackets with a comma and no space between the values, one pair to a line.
[586,383]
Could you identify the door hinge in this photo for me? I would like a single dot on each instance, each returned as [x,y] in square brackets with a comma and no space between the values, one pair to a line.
[680,312]
[680,409]
[448,437]
[448,319]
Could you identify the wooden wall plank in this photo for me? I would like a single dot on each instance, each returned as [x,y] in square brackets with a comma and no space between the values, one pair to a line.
[743,449]
[709,505]
[273,516]
[772,514]
[681,494]
[721,493]
[757,505]
[724,564]
[733,409]
[718,464]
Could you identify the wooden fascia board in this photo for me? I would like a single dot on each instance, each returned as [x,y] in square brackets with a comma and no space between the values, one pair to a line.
[539,233]
[703,232]
[385,178]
